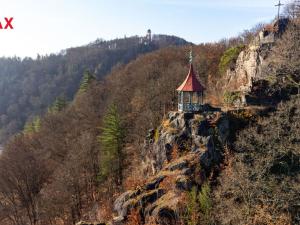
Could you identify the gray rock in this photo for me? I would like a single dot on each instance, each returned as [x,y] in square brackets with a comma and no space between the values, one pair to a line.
[169,138]
[127,206]
[204,135]
[186,171]
[151,196]
[178,166]
[165,215]
[118,220]
[122,199]
[183,183]
[90,223]
[153,184]
[173,115]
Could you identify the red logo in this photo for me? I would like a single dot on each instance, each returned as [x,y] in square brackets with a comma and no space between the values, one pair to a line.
[6,24]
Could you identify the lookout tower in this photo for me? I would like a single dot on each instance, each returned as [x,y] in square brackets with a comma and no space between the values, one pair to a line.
[149,35]
[190,92]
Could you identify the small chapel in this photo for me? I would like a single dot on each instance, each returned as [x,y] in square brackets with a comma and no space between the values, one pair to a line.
[190,92]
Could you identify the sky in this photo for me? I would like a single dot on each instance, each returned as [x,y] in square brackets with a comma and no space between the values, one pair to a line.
[48,26]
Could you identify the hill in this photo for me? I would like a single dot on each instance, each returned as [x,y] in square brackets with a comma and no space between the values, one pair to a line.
[64,144]
[29,86]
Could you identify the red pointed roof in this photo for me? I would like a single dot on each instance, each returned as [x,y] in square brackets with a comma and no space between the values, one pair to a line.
[191,83]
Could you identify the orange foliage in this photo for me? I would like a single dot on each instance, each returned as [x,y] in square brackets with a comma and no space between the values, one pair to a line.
[228,160]
[134,218]
[168,183]
[134,181]
[151,221]
[175,152]
[105,212]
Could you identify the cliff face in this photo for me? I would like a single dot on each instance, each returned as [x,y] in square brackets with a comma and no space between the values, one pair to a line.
[248,66]
[183,152]
[252,59]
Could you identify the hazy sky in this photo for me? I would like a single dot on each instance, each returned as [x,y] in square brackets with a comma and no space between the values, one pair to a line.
[48,26]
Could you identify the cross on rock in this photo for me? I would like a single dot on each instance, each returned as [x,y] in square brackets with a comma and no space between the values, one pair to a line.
[279,5]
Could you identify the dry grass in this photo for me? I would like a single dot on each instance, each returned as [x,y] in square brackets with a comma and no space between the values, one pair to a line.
[167,127]
[106,210]
[198,117]
[134,180]
[226,166]
[175,152]
[168,183]
[151,221]
[133,175]
[263,216]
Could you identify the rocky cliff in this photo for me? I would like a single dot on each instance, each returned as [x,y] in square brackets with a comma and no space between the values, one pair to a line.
[181,153]
[248,66]
[253,58]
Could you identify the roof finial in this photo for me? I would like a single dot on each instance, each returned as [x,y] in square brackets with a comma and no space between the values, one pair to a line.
[191,55]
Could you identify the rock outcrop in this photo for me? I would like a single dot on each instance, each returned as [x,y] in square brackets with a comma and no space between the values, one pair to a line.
[89,223]
[248,66]
[253,58]
[178,155]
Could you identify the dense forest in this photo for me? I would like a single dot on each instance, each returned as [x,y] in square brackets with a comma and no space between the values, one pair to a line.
[71,163]
[29,86]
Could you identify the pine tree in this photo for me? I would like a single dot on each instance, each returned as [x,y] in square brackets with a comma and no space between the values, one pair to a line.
[205,201]
[86,80]
[58,105]
[192,208]
[112,140]
[32,126]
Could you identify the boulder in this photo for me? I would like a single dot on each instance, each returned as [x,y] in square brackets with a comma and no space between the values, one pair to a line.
[178,165]
[122,199]
[183,183]
[153,184]
[118,220]
[151,196]
[163,211]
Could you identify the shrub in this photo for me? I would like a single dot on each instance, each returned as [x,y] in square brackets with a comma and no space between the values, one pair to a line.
[231,96]
[229,58]
[205,201]
[168,127]
[193,207]
[156,135]
[199,206]
[32,126]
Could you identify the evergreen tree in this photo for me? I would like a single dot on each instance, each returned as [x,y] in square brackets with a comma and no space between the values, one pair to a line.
[58,105]
[88,77]
[112,140]
[205,201]
[32,126]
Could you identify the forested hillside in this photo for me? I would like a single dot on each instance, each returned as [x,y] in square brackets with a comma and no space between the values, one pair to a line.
[64,144]
[75,160]
[72,178]
[29,86]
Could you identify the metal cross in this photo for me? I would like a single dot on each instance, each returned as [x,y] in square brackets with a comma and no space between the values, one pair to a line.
[279,5]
